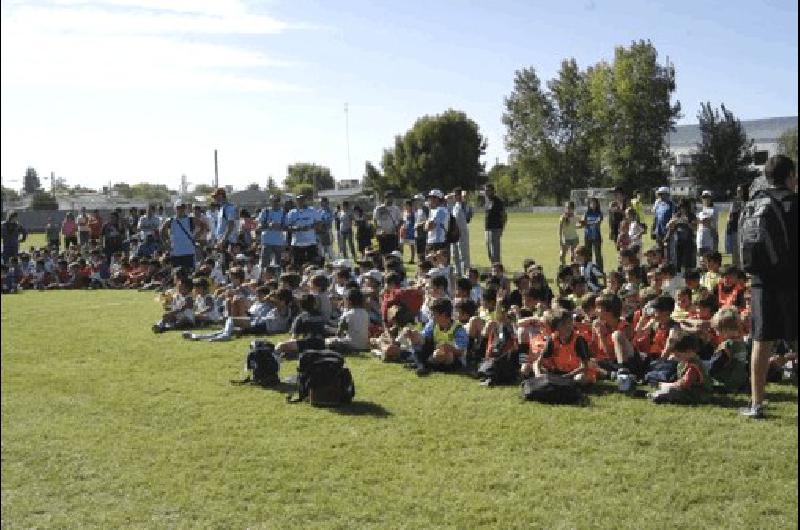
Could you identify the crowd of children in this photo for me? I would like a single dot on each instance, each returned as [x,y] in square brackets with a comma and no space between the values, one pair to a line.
[685,332]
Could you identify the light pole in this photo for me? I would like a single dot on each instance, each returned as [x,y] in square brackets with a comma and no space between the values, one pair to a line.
[347,136]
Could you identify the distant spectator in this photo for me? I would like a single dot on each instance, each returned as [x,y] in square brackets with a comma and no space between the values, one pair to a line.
[592,238]
[495,223]
[13,233]
[69,229]
[663,210]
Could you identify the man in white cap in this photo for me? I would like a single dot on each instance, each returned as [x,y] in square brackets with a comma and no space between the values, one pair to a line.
[663,210]
[437,223]
[177,235]
[707,197]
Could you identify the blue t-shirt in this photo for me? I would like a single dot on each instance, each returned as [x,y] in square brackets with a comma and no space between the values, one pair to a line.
[272,236]
[441,217]
[181,244]
[301,222]
[591,231]
[226,212]
[662,213]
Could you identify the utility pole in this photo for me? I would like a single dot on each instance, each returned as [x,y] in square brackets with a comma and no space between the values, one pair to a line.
[347,136]
[216,171]
[53,183]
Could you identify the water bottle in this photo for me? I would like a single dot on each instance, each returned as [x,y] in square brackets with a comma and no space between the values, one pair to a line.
[625,382]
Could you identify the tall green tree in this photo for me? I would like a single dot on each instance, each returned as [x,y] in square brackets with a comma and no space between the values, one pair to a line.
[631,103]
[373,180]
[316,176]
[31,181]
[202,189]
[43,201]
[441,151]
[724,153]
[272,186]
[9,194]
[787,144]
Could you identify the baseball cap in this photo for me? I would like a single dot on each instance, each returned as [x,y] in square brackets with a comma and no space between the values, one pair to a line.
[436,193]
[419,197]
[706,193]
[662,189]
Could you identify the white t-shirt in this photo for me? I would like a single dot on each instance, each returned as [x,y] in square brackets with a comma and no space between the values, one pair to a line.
[388,218]
[441,217]
[357,321]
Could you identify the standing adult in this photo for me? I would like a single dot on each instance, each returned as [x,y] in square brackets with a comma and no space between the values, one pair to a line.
[437,223]
[113,236]
[177,234]
[407,231]
[272,225]
[95,226]
[211,220]
[225,228]
[302,221]
[12,234]
[387,218]
[592,238]
[637,203]
[69,229]
[494,223]
[732,226]
[460,249]
[346,228]
[324,229]
[53,232]
[132,221]
[84,233]
[663,210]
[337,229]
[774,291]
[148,232]
[420,220]
[712,214]
[680,237]
[363,231]
[616,213]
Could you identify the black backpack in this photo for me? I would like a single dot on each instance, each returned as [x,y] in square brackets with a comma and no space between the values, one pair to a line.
[323,379]
[501,370]
[763,234]
[262,364]
[551,388]
[452,234]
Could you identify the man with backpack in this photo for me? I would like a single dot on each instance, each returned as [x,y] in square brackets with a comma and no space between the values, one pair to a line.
[768,252]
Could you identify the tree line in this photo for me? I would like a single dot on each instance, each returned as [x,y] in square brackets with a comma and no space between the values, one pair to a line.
[601,126]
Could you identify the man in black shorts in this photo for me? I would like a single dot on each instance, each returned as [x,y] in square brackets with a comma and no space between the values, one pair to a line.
[774,294]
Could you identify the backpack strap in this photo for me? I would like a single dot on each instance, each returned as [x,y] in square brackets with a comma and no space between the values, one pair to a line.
[777,206]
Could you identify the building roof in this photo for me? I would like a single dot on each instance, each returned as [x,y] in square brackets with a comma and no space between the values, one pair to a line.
[764,130]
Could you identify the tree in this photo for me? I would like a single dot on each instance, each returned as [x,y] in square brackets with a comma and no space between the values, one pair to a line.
[318,177]
[374,181]
[787,144]
[724,153]
[202,189]
[441,151]
[630,104]
[43,201]
[123,189]
[253,186]
[151,192]
[31,181]
[9,194]
[272,187]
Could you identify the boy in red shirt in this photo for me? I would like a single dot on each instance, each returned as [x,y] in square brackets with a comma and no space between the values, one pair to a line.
[610,345]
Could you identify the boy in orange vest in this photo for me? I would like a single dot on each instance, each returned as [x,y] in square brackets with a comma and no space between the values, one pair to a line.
[565,352]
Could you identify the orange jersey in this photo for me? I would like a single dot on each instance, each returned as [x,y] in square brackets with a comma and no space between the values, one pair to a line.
[564,356]
[652,340]
[597,343]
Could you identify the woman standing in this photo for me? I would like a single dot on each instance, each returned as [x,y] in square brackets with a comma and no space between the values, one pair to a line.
[363,230]
[69,229]
[592,238]
[680,237]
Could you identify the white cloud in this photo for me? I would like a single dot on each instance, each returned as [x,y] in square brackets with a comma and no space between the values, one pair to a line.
[136,44]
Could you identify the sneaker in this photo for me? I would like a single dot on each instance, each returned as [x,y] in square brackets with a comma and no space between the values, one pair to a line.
[188,335]
[157,328]
[612,375]
[755,412]
[485,382]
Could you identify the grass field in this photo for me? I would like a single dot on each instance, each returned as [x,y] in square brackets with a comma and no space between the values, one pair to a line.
[106,425]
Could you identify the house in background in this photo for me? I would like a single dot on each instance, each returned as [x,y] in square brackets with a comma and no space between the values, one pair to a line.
[683,144]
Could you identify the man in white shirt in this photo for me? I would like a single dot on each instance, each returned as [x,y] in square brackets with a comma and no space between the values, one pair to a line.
[388,219]
[459,251]
[438,221]
[302,223]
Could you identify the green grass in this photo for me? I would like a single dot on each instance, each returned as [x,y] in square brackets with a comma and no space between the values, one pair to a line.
[106,425]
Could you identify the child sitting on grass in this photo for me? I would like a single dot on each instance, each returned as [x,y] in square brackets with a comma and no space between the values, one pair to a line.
[692,381]
[565,352]
[729,367]
[308,330]
[181,309]
[352,334]
[443,343]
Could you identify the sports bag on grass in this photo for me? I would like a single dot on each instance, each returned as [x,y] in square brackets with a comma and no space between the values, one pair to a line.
[323,379]
[501,370]
[262,364]
[763,234]
[551,388]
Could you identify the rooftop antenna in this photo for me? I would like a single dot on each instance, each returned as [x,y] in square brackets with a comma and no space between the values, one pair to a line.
[216,171]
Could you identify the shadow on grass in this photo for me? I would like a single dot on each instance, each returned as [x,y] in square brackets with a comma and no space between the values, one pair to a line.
[362,408]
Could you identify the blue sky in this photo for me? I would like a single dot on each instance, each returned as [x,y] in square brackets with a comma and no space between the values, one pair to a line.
[145,90]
